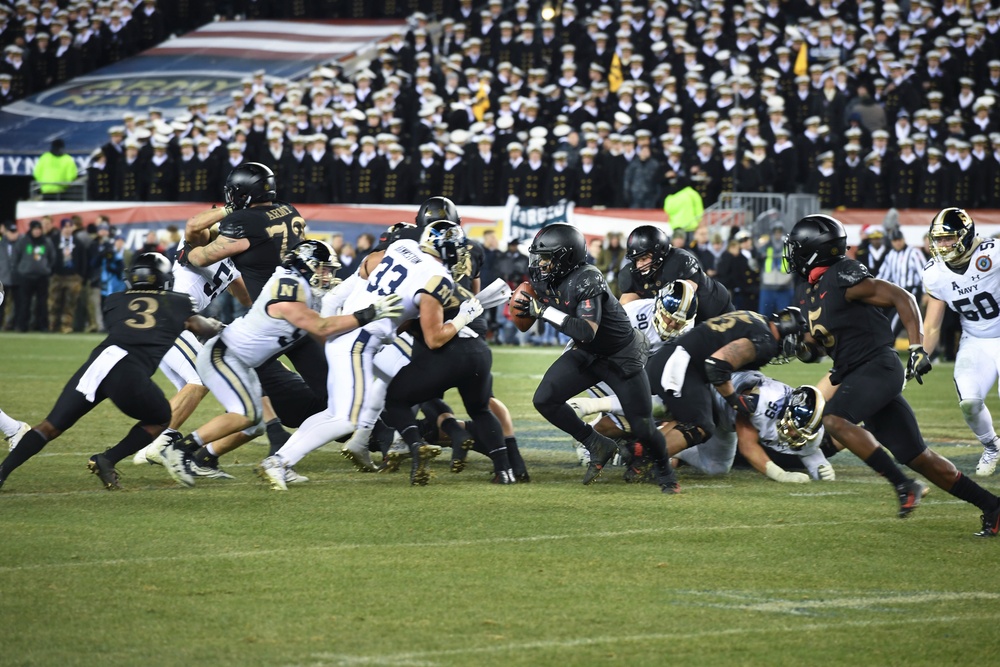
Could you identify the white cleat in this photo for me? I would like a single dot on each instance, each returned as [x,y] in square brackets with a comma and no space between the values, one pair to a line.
[292,477]
[178,465]
[272,471]
[988,461]
[16,438]
[583,454]
[150,454]
[359,455]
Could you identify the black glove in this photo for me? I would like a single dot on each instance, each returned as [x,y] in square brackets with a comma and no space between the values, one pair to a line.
[183,257]
[919,363]
[744,404]
[528,306]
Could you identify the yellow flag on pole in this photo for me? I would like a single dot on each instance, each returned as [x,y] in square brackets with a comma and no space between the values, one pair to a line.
[802,60]
[615,77]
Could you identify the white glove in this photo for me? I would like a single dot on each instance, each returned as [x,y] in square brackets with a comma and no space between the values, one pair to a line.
[779,474]
[468,311]
[826,473]
[388,306]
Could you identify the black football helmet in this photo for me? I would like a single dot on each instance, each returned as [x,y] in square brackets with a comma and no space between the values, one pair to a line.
[556,250]
[815,241]
[437,208]
[953,237]
[445,240]
[648,239]
[150,270]
[791,324]
[392,233]
[250,183]
[316,262]
[802,417]
[676,307]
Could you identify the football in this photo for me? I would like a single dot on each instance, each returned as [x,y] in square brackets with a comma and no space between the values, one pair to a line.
[522,323]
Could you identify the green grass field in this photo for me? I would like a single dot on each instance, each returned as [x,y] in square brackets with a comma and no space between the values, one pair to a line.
[355,569]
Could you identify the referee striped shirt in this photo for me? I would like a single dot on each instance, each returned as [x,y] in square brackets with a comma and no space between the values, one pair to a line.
[904,268]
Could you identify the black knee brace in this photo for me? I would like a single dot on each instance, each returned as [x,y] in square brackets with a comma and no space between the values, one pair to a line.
[693,434]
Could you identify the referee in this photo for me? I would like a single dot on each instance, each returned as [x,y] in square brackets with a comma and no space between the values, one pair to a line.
[903,266]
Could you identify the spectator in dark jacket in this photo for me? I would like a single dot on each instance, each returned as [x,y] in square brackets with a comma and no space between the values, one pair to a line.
[68,269]
[8,238]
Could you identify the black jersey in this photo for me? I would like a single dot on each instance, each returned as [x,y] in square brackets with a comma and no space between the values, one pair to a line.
[272,230]
[145,323]
[614,332]
[851,332]
[713,297]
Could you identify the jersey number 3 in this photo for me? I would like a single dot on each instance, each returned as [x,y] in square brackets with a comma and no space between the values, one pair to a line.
[144,307]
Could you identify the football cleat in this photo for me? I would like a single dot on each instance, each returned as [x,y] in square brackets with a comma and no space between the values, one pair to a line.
[582,455]
[105,470]
[399,452]
[909,495]
[292,477]
[639,471]
[16,438]
[460,446]
[667,480]
[209,470]
[988,461]
[359,455]
[602,449]
[178,464]
[150,454]
[503,477]
[991,524]
[421,453]
[272,471]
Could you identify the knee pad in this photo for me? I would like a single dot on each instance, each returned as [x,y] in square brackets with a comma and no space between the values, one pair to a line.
[971,406]
[693,433]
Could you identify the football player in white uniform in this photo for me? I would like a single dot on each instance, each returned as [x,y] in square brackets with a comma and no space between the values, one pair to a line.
[285,311]
[12,429]
[421,282]
[964,275]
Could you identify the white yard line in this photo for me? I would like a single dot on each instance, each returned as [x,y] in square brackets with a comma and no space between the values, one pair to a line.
[440,544]
[427,658]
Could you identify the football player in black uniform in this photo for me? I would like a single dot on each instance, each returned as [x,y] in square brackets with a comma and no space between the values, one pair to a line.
[256,232]
[654,263]
[143,322]
[573,296]
[846,322]
[683,371]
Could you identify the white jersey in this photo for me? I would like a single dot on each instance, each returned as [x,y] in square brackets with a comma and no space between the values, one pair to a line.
[410,273]
[974,293]
[256,337]
[640,313]
[204,283]
[773,397]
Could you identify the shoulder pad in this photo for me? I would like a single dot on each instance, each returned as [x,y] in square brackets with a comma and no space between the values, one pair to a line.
[233,228]
[688,264]
[287,289]
[850,272]
[441,288]
[588,282]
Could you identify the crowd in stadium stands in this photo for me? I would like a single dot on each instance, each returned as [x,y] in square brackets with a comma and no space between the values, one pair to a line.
[863,104]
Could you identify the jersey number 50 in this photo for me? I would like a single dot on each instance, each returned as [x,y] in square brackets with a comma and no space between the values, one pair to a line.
[980,307]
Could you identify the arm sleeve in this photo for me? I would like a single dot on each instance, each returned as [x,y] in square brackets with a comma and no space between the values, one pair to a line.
[577,327]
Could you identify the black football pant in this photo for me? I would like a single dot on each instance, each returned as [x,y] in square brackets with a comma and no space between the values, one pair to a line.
[578,370]
[464,364]
[296,396]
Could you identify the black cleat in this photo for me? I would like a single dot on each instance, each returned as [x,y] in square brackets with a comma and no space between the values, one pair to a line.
[503,477]
[667,480]
[460,446]
[991,523]
[909,495]
[601,449]
[639,470]
[105,470]
[421,454]
[522,477]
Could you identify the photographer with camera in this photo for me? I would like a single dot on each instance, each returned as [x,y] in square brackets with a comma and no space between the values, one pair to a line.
[108,264]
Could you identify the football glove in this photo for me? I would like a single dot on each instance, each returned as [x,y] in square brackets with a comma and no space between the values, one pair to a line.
[468,311]
[919,363]
[744,404]
[183,255]
[826,473]
[386,306]
[779,474]
[529,306]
